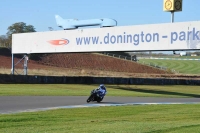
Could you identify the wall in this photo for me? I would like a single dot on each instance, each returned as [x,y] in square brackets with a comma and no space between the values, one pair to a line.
[9,79]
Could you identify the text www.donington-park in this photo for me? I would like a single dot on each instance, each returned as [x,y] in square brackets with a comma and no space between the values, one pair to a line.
[142,37]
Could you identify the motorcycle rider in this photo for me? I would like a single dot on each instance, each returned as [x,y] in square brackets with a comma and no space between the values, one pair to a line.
[101,90]
[97,94]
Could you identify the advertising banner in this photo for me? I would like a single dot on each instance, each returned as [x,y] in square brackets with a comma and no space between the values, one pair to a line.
[154,37]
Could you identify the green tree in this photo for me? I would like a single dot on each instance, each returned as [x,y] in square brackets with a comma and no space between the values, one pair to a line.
[4,41]
[19,27]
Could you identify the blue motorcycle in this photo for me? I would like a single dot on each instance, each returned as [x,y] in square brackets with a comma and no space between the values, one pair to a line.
[95,95]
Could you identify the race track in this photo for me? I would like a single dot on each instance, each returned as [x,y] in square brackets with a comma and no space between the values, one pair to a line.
[16,104]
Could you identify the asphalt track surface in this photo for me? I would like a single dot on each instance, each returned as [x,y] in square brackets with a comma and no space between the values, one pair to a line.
[16,104]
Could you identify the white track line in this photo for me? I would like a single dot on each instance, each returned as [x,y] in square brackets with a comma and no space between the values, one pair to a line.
[92,105]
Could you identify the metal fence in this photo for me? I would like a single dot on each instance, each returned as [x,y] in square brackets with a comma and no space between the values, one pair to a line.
[131,58]
[136,59]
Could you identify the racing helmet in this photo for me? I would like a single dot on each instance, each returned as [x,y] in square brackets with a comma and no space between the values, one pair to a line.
[102,86]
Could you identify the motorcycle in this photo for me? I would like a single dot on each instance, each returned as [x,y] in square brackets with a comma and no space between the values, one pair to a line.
[95,96]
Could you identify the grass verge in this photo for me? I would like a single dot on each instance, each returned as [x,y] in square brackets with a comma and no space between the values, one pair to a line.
[126,119]
[181,66]
[84,90]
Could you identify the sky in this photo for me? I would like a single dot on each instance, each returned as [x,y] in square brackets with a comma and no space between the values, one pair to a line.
[41,13]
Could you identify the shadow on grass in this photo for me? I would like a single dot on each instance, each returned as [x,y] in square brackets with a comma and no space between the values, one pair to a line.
[156,91]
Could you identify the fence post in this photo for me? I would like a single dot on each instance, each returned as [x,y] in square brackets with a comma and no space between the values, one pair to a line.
[13,65]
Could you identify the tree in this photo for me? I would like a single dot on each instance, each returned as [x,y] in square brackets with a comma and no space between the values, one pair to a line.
[197,52]
[19,27]
[4,41]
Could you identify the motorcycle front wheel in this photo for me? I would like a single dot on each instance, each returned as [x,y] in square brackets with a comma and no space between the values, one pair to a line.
[89,99]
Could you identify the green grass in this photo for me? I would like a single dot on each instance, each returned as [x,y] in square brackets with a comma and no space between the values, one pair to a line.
[113,90]
[182,66]
[181,57]
[121,119]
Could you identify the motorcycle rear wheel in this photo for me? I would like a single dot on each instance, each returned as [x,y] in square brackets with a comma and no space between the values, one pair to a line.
[99,100]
